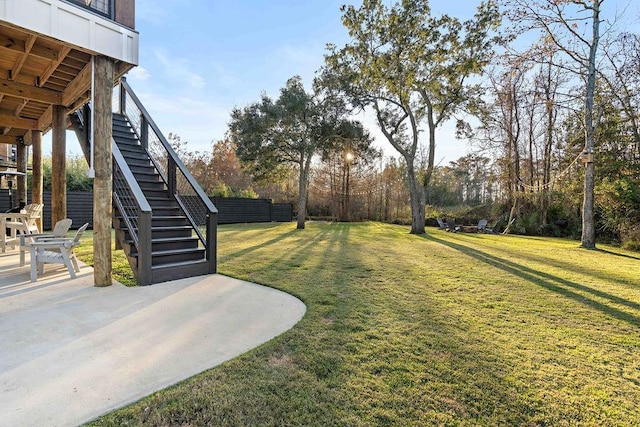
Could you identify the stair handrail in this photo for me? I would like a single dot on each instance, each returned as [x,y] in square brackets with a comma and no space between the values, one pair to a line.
[140,231]
[140,198]
[174,157]
[206,210]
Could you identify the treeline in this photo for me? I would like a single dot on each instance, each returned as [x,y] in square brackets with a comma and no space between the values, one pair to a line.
[552,120]
[553,124]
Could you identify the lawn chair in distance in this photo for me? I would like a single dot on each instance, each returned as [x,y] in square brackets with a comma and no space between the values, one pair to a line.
[452,227]
[483,227]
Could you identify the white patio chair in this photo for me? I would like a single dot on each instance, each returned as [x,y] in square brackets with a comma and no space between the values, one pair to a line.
[55,251]
[59,231]
[33,211]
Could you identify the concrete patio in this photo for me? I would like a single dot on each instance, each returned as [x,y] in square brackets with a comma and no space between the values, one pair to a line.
[70,352]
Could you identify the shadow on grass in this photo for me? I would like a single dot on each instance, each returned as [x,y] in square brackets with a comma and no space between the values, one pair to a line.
[374,348]
[351,320]
[552,283]
[589,270]
[618,254]
[256,247]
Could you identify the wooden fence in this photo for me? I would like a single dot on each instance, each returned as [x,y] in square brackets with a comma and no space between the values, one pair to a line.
[230,210]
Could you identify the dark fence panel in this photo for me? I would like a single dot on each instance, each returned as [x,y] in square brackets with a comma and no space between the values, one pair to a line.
[230,210]
[236,210]
[79,207]
[282,212]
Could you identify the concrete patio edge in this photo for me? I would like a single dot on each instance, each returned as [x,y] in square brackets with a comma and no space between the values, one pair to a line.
[70,352]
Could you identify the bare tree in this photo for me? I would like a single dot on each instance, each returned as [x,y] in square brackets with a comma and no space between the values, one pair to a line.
[574,27]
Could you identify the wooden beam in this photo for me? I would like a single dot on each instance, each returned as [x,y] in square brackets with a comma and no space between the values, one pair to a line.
[21,166]
[10,120]
[78,86]
[19,46]
[54,65]
[27,139]
[10,43]
[37,183]
[79,102]
[44,122]
[58,165]
[20,107]
[7,139]
[16,113]
[17,67]
[103,181]
[21,90]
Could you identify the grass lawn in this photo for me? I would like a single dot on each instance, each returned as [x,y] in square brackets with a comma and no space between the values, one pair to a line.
[404,330]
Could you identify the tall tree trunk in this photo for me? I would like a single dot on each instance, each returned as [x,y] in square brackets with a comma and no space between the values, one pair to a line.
[548,146]
[588,222]
[417,196]
[303,188]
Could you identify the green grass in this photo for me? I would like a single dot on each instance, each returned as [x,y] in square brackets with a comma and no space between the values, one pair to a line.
[121,271]
[404,330]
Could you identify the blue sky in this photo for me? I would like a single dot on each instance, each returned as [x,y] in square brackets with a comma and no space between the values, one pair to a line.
[200,58]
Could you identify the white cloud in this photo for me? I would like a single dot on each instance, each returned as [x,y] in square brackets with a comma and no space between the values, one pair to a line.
[138,74]
[179,69]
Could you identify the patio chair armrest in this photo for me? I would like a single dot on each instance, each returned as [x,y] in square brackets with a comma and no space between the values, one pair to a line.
[52,243]
[38,235]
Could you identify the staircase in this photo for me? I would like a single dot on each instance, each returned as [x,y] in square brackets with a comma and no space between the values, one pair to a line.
[163,221]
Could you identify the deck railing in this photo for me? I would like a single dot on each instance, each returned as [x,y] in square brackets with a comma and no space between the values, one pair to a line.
[135,212]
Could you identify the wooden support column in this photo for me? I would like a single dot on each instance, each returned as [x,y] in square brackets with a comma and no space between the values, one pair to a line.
[21,166]
[36,168]
[58,165]
[103,163]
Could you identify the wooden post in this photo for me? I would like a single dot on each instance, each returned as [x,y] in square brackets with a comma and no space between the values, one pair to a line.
[123,98]
[58,165]
[21,166]
[212,242]
[103,163]
[36,168]
[144,132]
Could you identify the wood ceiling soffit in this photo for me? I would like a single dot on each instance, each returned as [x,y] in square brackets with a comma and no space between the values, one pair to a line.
[83,99]
[78,86]
[19,46]
[52,67]
[17,67]
[16,113]
[27,139]
[17,122]
[6,139]
[20,107]
[21,90]
[44,122]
